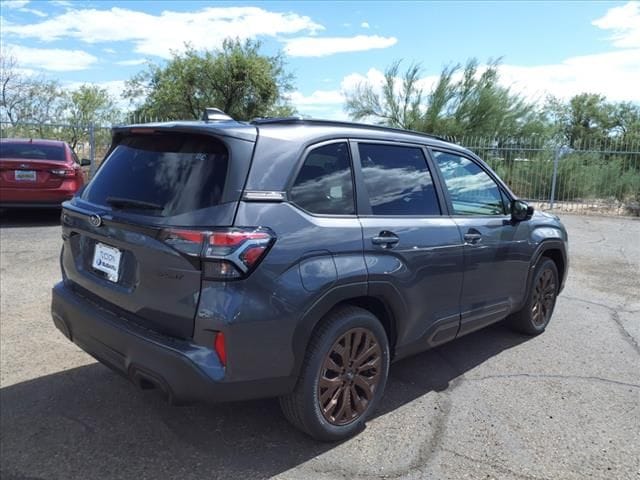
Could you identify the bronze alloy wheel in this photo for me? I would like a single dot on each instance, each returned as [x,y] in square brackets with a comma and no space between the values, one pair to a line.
[544,294]
[349,376]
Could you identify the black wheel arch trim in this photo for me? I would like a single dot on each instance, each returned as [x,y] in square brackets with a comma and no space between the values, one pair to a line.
[545,246]
[343,293]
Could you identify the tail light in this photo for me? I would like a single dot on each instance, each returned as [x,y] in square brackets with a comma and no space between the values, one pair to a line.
[63,172]
[226,254]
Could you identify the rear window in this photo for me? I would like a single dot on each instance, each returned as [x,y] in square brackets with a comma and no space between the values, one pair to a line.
[32,151]
[178,172]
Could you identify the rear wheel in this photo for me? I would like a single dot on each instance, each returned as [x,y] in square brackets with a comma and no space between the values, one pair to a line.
[343,376]
[536,313]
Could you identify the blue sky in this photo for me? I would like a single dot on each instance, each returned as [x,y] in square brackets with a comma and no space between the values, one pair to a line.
[559,48]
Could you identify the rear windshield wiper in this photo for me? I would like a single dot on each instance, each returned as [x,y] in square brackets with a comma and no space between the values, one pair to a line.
[119,202]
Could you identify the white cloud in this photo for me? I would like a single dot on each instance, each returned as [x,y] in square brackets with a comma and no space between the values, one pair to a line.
[109,50]
[323,46]
[53,59]
[326,104]
[33,11]
[613,74]
[61,3]
[160,34]
[365,25]
[20,5]
[15,3]
[128,63]
[624,22]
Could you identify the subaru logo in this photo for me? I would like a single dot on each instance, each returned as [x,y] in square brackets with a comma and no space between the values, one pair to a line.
[95,220]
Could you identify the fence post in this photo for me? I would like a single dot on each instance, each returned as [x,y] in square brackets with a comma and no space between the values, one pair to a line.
[92,149]
[556,159]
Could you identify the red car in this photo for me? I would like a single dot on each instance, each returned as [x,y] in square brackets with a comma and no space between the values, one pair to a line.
[38,173]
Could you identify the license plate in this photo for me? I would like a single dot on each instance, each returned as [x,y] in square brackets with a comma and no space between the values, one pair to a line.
[107,259]
[25,176]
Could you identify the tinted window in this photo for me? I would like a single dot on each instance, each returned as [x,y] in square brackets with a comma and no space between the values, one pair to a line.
[398,180]
[472,190]
[31,151]
[182,173]
[324,183]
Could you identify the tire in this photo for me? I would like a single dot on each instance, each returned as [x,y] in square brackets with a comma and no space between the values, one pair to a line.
[535,315]
[329,402]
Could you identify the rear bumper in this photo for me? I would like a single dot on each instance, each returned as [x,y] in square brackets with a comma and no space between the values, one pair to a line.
[57,204]
[185,372]
[35,197]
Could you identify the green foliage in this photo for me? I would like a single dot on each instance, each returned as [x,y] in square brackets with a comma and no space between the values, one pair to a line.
[88,104]
[396,106]
[463,101]
[236,78]
[581,177]
[588,121]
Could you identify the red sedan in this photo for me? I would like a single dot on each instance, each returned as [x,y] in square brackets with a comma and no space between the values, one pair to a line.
[38,173]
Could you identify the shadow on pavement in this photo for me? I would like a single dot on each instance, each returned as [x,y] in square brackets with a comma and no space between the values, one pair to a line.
[29,217]
[88,422]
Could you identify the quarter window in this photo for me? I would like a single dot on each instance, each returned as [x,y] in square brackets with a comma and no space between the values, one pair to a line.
[398,180]
[324,185]
[472,190]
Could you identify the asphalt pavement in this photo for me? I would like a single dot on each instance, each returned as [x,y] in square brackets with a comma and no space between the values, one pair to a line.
[494,404]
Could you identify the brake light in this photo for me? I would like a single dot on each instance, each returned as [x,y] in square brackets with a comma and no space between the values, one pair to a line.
[220,348]
[63,172]
[227,254]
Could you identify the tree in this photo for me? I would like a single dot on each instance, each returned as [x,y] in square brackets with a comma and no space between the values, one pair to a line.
[28,98]
[395,106]
[589,120]
[88,104]
[236,78]
[463,101]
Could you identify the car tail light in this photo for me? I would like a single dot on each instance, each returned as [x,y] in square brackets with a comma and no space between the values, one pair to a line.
[63,172]
[220,348]
[226,254]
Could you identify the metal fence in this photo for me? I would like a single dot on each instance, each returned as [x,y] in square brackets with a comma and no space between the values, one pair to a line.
[602,177]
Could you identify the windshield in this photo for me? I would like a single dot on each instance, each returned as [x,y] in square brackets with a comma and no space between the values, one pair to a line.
[177,173]
[31,151]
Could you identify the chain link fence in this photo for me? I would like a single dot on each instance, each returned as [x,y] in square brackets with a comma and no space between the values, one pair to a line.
[602,178]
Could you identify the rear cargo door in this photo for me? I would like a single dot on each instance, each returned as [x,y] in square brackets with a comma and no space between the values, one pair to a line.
[115,248]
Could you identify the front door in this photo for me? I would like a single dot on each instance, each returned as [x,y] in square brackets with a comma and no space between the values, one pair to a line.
[496,250]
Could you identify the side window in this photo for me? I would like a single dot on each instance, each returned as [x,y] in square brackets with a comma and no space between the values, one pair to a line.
[398,180]
[472,190]
[324,184]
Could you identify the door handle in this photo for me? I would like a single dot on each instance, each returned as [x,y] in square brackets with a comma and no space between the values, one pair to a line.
[472,238]
[386,239]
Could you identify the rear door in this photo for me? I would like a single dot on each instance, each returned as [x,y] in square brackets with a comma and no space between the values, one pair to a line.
[120,247]
[413,253]
[496,251]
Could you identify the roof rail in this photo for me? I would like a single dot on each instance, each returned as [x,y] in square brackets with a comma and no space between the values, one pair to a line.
[213,114]
[338,123]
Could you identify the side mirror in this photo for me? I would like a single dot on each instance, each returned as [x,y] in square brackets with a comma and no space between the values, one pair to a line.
[85,162]
[520,211]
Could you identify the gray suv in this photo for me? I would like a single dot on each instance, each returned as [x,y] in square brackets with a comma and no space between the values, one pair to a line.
[219,260]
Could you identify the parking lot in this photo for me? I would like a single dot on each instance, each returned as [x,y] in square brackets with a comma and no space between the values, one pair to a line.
[493,404]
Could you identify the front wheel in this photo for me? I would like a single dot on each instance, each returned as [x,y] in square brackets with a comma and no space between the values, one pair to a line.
[541,300]
[343,376]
